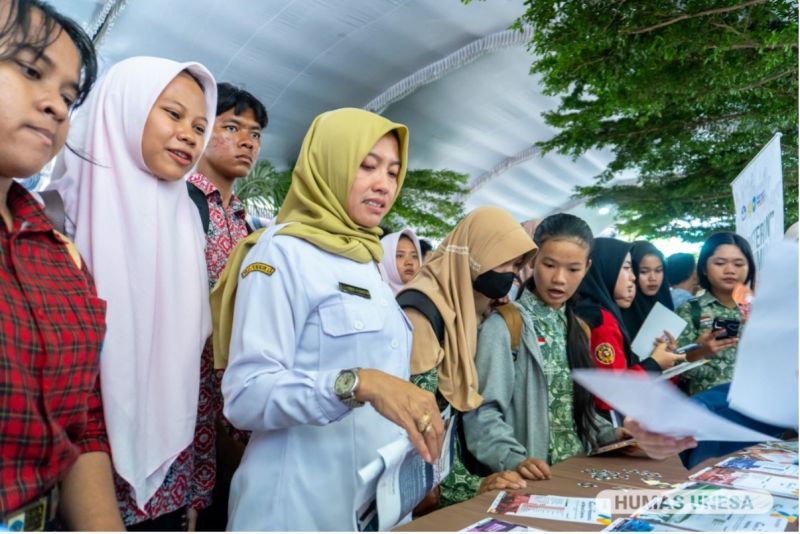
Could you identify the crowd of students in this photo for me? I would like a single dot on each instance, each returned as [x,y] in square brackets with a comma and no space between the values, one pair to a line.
[118,409]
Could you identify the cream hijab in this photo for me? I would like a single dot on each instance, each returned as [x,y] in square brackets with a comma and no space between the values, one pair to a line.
[485,239]
[334,146]
[143,241]
[388,265]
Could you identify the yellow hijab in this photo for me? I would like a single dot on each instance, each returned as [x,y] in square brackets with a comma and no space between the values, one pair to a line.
[485,239]
[333,149]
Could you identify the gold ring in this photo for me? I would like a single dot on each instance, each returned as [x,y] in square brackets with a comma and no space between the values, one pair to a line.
[427,428]
[424,422]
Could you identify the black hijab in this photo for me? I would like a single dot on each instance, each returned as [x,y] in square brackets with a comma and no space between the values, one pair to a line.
[597,288]
[642,304]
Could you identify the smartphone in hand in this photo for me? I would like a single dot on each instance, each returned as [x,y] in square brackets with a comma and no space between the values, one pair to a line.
[730,327]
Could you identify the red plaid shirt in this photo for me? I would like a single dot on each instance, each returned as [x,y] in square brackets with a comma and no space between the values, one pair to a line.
[52,329]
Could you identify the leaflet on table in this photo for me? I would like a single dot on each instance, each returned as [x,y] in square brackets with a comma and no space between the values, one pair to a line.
[577,510]
[789,446]
[657,321]
[706,507]
[746,462]
[660,407]
[490,524]
[772,454]
[719,476]
[395,482]
[634,524]
[680,369]
[764,384]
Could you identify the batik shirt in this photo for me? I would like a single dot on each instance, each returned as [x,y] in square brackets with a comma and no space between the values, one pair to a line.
[719,368]
[551,335]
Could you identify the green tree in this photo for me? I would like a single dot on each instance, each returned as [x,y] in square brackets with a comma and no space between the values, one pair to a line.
[263,190]
[683,92]
[430,202]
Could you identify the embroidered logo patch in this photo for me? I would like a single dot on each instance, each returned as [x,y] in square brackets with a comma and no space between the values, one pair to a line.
[541,340]
[604,353]
[258,267]
[353,290]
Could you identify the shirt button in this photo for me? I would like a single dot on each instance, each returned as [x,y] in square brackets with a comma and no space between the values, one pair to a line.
[384,302]
[394,344]
[358,325]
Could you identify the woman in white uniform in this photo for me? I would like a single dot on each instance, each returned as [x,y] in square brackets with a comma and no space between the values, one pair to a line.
[319,352]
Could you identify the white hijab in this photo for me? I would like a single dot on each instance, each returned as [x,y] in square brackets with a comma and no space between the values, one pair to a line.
[388,265]
[143,241]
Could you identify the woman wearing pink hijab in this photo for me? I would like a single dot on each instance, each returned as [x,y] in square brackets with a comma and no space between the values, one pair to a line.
[142,129]
[402,258]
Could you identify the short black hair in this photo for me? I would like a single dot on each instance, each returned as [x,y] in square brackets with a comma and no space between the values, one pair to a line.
[425,246]
[717,240]
[18,32]
[231,97]
[679,268]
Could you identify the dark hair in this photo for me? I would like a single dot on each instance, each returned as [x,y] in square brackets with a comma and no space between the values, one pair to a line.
[231,97]
[717,240]
[425,246]
[19,32]
[570,227]
[679,267]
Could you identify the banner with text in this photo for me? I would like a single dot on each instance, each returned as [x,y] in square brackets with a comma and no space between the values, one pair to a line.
[758,199]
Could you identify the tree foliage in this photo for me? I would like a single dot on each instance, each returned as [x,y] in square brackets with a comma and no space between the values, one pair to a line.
[430,201]
[683,92]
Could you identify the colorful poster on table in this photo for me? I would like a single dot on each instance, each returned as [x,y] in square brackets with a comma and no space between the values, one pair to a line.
[758,199]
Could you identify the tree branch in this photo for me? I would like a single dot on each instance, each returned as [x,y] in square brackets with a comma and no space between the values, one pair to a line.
[680,18]
[764,81]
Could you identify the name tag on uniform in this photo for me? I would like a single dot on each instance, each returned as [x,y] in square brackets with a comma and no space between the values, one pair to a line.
[353,290]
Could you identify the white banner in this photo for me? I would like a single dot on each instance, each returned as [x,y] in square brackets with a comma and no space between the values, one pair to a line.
[758,199]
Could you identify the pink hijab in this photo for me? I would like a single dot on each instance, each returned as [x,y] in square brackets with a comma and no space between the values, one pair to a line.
[388,265]
[143,241]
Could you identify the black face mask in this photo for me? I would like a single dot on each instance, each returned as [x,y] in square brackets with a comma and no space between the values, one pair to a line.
[493,284]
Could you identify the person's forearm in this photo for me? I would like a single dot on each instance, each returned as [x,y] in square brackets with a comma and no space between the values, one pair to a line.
[87,498]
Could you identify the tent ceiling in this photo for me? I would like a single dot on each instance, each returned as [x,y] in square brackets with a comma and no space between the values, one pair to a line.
[303,57]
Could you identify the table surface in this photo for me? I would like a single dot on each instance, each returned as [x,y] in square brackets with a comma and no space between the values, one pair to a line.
[565,480]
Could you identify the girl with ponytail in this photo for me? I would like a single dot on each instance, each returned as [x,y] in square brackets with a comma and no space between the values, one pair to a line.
[533,415]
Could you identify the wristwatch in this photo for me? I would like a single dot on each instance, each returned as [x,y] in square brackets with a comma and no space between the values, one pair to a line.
[345,387]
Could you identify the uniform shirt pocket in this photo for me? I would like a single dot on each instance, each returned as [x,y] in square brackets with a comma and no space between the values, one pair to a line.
[347,316]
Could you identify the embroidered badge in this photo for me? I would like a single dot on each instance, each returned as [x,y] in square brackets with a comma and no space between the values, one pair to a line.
[604,353]
[541,340]
[258,267]
[353,290]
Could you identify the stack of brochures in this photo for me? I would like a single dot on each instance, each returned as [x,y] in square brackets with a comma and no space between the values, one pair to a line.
[755,490]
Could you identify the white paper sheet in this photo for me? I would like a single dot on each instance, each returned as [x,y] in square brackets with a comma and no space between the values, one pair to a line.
[660,407]
[764,383]
[657,321]
[680,369]
[395,482]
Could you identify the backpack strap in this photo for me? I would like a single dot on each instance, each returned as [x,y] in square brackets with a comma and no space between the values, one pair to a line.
[411,298]
[694,304]
[200,200]
[54,209]
[513,318]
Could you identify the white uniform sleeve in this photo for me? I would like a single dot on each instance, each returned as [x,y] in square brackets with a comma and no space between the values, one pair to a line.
[262,389]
